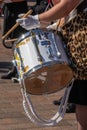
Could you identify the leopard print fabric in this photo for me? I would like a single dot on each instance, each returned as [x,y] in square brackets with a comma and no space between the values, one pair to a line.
[75,34]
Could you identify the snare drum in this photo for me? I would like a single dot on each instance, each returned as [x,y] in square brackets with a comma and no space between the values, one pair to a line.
[42,62]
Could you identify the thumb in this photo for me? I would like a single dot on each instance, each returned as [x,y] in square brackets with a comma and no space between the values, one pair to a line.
[21,15]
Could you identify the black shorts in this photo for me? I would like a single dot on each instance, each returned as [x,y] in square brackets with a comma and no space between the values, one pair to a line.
[78,94]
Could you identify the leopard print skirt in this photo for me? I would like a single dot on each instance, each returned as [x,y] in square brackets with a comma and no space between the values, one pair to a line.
[75,35]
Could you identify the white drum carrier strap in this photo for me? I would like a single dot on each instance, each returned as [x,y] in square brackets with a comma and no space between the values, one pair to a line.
[32,115]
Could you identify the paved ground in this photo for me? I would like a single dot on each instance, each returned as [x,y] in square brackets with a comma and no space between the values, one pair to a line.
[12,115]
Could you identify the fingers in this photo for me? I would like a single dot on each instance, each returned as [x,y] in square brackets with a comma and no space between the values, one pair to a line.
[21,21]
[30,22]
[20,15]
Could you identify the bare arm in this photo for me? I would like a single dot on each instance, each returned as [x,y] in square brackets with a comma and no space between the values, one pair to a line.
[61,9]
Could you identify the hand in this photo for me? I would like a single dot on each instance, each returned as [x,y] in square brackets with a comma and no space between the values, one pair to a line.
[29,23]
[54,27]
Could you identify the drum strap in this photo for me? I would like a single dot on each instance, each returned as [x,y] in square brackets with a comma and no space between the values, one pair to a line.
[31,114]
[50,5]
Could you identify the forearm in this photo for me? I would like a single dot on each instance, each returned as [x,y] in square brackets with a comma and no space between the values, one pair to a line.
[61,9]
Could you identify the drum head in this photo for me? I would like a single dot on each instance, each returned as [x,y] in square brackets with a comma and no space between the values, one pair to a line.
[48,79]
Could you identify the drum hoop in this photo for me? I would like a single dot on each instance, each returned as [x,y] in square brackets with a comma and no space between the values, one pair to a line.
[27,34]
[22,37]
[43,65]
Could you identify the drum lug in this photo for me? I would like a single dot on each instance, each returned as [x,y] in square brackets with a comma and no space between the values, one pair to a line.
[59,54]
